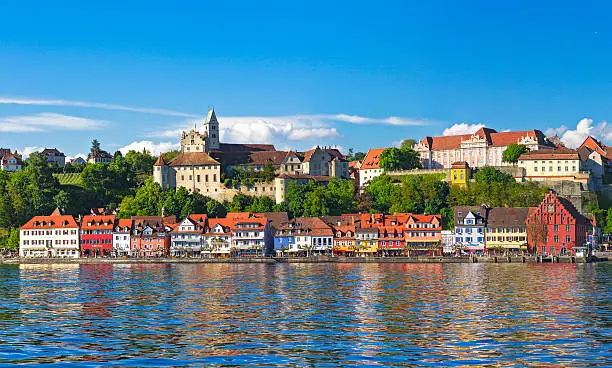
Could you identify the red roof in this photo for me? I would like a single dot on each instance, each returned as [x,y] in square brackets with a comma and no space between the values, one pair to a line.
[90,222]
[595,145]
[551,154]
[492,137]
[17,159]
[123,223]
[160,161]
[371,161]
[50,222]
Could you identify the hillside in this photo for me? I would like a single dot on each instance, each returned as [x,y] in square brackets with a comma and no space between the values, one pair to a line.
[69,179]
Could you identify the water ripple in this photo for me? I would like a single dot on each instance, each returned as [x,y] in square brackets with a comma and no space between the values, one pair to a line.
[306,314]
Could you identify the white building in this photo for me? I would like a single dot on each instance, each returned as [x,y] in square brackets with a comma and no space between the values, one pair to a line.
[121,237]
[470,224]
[217,238]
[56,235]
[186,237]
[370,167]
[483,148]
[249,236]
[448,241]
[11,162]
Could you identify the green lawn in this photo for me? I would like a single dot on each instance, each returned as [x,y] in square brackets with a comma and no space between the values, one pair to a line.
[69,179]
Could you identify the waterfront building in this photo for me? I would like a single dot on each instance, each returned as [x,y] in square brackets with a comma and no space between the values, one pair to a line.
[251,236]
[460,173]
[423,235]
[344,240]
[97,235]
[370,167]
[391,240]
[366,241]
[121,237]
[448,242]
[556,227]
[217,237]
[54,155]
[55,235]
[506,229]
[470,223]
[186,237]
[483,148]
[284,237]
[151,236]
[11,162]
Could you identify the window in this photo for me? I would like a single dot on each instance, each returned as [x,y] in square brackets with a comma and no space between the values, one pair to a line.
[543,169]
[566,168]
[206,178]
[568,238]
[573,168]
[556,238]
[535,169]
[558,168]
[556,228]
[567,227]
[550,169]
[198,178]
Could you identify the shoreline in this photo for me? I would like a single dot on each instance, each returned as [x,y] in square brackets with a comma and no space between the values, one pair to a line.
[324,259]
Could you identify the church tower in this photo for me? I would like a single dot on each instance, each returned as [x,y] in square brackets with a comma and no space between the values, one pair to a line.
[212,130]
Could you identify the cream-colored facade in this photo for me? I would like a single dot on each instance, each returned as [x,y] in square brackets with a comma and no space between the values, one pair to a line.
[204,179]
[546,165]
[507,238]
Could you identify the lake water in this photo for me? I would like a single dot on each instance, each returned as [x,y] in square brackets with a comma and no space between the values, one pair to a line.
[307,314]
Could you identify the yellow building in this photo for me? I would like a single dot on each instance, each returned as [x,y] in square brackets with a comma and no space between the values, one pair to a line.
[460,173]
[366,241]
[506,229]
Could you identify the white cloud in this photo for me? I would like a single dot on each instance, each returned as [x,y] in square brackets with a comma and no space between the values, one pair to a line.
[573,138]
[315,133]
[27,151]
[153,148]
[462,128]
[93,105]
[46,122]
[556,131]
[280,129]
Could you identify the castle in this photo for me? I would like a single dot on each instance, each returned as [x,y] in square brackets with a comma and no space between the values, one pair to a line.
[203,159]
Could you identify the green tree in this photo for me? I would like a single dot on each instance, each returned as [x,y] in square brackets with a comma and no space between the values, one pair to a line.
[261,204]
[95,148]
[608,228]
[341,194]
[512,152]
[61,200]
[215,209]
[13,239]
[404,158]
[408,143]
[490,174]
[269,171]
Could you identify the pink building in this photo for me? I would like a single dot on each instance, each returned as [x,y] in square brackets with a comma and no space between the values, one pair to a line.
[483,148]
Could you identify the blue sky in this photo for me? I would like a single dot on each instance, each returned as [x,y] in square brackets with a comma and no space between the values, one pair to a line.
[300,73]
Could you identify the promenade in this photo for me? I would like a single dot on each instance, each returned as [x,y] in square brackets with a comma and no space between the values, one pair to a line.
[319,259]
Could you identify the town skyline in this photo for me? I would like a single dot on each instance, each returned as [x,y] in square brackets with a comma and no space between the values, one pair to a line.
[296,76]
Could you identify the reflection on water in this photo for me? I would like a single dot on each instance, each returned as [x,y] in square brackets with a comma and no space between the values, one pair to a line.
[306,314]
